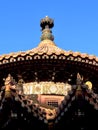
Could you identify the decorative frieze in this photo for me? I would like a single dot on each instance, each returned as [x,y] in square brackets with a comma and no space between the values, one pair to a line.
[46,88]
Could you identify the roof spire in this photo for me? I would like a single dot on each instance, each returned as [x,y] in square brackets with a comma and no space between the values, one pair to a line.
[46,24]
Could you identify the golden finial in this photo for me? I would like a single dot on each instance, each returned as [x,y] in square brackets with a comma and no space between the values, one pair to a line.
[46,24]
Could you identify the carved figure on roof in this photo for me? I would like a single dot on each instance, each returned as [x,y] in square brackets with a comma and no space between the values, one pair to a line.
[20,84]
[9,84]
[10,80]
[79,79]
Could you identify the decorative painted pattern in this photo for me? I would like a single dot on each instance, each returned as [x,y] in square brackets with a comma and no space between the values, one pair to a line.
[46,88]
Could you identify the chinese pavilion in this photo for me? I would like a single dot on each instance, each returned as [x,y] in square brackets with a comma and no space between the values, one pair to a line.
[48,88]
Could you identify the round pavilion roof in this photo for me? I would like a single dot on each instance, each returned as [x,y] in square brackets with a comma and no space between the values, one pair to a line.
[48,57]
[47,49]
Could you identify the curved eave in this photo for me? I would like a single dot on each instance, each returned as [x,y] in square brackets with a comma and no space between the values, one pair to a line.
[48,50]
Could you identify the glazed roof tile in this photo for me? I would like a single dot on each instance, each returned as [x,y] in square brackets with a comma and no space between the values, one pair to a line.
[47,47]
[88,94]
[43,113]
[36,110]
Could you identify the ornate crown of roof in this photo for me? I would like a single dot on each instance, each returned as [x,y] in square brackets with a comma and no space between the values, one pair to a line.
[47,46]
[47,23]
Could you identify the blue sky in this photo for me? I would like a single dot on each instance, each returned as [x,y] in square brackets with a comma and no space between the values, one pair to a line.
[75,24]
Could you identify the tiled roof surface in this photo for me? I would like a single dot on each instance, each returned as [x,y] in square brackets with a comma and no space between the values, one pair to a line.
[35,109]
[88,95]
[9,91]
[48,50]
